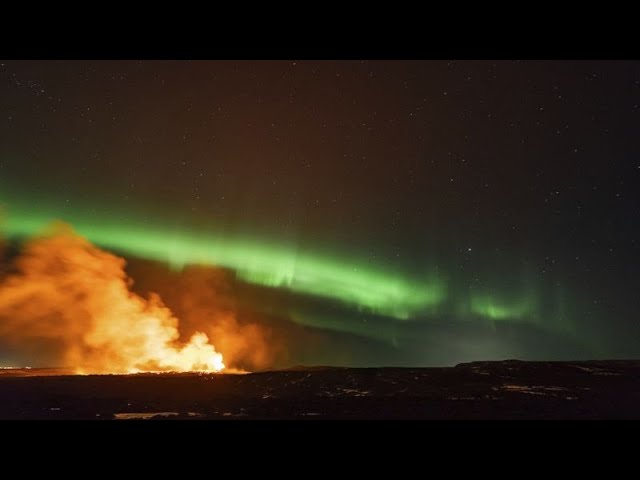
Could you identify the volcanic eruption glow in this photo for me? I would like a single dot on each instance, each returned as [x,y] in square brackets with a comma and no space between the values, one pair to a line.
[76,297]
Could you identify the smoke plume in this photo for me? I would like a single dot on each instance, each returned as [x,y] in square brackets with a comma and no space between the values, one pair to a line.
[67,296]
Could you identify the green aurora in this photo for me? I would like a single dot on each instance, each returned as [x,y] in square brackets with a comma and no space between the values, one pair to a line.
[262,263]
[377,289]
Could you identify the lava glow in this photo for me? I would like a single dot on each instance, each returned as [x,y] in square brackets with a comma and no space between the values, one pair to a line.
[197,355]
[76,298]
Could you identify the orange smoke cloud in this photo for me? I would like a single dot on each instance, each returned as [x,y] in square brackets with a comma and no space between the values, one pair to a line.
[207,293]
[64,291]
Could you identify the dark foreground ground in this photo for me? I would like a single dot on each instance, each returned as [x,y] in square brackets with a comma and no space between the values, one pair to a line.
[480,390]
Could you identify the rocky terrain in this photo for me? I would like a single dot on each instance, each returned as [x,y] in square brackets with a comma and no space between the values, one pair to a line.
[478,390]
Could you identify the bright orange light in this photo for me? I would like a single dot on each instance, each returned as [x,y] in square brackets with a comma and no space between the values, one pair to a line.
[70,292]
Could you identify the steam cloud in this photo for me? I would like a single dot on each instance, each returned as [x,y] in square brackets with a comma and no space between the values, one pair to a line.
[67,296]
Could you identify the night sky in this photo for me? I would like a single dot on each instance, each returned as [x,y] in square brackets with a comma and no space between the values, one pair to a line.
[371,212]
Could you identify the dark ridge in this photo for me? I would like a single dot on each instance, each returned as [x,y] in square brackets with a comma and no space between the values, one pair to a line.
[477,390]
